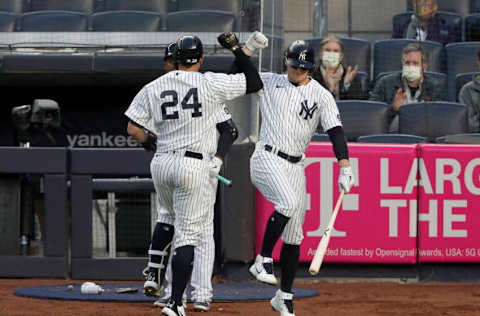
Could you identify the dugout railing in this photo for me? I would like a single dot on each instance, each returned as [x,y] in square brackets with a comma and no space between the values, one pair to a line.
[51,164]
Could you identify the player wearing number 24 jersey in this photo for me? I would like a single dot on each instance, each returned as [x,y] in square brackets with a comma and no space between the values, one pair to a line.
[183,105]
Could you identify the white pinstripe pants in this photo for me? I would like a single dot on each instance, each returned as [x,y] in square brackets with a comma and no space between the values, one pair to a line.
[204,255]
[284,184]
[185,193]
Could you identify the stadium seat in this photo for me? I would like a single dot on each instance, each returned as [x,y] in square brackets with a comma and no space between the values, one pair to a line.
[388,55]
[16,6]
[401,21]
[53,21]
[437,75]
[85,6]
[433,119]
[7,21]
[461,58]
[391,138]
[468,138]
[461,80]
[357,51]
[201,21]
[317,137]
[231,5]
[158,6]
[126,21]
[457,6]
[363,118]
[472,28]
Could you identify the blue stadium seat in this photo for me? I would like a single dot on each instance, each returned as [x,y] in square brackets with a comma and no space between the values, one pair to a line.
[231,5]
[461,80]
[53,21]
[357,51]
[457,6]
[126,21]
[7,21]
[16,6]
[158,6]
[472,28]
[391,138]
[317,137]
[433,119]
[363,118]
[388,55]
[401,21]
[461,58]
[201,21]
[468,138]
[85,6]
[437,75]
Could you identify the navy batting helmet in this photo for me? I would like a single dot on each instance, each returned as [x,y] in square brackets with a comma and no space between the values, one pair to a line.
[300,55]
[169,50]
[188,50]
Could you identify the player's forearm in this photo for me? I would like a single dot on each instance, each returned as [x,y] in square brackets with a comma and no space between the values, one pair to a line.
[337,137]
[136,132]
[254,82]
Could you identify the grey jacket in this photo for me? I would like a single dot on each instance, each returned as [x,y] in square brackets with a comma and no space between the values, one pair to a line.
[387,86]
[470,96]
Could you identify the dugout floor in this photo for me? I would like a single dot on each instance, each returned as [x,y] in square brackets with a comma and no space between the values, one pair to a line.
[346,298]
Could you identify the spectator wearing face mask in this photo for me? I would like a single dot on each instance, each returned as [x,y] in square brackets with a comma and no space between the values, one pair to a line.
[408,86]
[332,74]
[425,25]
[470,96]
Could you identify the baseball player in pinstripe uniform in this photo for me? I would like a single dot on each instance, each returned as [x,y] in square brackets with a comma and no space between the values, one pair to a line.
[183,105]
[204,254]
[291,106]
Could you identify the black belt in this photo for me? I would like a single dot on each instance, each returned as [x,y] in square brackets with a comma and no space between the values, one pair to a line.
[293,159]
[191,154]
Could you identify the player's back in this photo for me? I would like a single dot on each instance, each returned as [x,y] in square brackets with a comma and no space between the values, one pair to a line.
[184,106]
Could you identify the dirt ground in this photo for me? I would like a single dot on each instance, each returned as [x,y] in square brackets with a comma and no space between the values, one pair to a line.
[335,299]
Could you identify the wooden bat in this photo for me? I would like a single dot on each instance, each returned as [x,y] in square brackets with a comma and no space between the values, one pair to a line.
[322,246]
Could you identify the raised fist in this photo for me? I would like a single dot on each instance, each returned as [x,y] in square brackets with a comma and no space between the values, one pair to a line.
[256,40]
[228,40]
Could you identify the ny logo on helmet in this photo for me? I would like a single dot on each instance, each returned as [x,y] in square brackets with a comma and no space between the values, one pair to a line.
[302,56]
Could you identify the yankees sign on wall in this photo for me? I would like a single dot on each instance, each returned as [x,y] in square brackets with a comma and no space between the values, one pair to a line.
[398,186]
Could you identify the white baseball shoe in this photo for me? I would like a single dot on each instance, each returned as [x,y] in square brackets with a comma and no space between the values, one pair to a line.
[165,298]
[283,302]
[262,270]
[199,306]
[173,310]
[151,287]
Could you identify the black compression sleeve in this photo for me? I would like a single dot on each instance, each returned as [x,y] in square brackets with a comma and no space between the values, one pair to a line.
[254,82]
[337,137]
[228,134]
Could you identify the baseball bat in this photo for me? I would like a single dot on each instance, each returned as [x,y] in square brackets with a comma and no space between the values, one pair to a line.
[322,246]
[224,180]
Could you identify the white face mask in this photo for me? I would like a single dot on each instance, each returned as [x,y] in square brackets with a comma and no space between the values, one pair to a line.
[330,59]
[411,73]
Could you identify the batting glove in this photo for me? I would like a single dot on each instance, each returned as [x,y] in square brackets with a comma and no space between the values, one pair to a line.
[215,164]
[346,179]
[150,144]
[228,40]
[256,40]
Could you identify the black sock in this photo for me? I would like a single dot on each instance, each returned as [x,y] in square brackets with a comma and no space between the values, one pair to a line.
[275,226]
[182,264]
[288,262]
[161,241]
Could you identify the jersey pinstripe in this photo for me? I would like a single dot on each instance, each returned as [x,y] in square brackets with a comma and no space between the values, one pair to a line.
[183,105]
[291,114]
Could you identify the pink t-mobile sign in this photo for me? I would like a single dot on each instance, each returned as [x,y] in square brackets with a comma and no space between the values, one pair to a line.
[449,206]
[377,220]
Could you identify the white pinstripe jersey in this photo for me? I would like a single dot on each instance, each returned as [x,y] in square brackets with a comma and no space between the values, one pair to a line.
[184,107]
[290,114]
